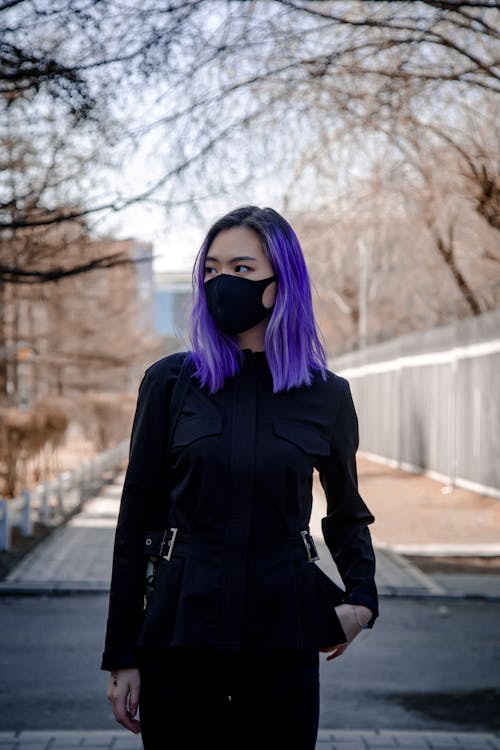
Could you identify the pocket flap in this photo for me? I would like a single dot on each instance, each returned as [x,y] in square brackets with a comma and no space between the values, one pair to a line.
[192,428]
[304,435]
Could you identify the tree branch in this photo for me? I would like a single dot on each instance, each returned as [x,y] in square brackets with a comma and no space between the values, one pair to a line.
[17,275]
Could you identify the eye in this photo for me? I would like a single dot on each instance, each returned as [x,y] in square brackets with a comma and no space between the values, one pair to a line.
[240,265]
[208,269]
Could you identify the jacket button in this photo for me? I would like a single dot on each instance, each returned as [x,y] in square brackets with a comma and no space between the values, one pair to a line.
[148,541]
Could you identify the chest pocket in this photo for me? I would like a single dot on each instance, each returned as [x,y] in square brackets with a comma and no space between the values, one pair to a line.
[306,436]
[189,429]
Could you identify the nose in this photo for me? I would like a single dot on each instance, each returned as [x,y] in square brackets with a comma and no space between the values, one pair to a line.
[228,272]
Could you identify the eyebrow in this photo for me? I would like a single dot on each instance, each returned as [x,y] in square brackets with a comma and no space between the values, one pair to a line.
[233,260]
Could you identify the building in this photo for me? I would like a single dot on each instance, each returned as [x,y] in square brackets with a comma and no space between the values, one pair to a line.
[172,304]
[91,331]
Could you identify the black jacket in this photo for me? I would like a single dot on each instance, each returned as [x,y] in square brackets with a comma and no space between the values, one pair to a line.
[240,479]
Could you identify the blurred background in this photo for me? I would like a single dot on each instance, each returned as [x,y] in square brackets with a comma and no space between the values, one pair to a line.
[127,128]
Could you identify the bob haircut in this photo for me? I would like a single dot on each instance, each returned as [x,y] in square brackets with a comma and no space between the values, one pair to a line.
[293,348]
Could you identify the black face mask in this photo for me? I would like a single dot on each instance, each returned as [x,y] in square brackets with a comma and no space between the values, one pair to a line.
[235,303]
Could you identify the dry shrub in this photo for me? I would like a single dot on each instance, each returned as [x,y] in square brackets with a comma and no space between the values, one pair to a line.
[106,418]
[24,435]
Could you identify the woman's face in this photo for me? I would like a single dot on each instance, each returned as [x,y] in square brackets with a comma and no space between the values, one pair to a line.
[238,251]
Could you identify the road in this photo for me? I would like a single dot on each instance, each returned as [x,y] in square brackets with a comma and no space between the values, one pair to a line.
[428,663]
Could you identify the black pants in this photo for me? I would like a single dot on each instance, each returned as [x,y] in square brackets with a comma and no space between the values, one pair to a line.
[232,701]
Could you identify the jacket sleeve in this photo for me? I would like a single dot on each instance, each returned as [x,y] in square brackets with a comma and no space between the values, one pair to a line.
[345,526]
[142,484]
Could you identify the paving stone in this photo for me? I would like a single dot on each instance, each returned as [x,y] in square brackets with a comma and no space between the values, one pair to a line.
[35,740]
[388,741]
[412,740]
[350,735]
[441,739]
[473,738]
[70,740]
[100,739]
[125,744]
[328,739]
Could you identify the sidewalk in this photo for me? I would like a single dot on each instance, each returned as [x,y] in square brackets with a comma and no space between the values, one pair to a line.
[328,739]
[416,515]
[419,526]
[414,520]
[77,556]
[451,534]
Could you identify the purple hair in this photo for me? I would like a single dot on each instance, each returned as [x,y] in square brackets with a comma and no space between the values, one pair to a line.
[293,347]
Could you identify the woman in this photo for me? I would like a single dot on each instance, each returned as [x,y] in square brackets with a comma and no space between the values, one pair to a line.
[226,652]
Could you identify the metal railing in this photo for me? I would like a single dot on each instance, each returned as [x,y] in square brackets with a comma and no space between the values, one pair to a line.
[53,501]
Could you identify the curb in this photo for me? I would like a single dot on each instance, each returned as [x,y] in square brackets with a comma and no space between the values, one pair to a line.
[52,588]
[484,549]
[428,583]
[65,588]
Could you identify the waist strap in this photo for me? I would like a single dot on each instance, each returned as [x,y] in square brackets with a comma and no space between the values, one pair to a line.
[174,543]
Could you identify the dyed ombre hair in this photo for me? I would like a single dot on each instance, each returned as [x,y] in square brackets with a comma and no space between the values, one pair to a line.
[293,348]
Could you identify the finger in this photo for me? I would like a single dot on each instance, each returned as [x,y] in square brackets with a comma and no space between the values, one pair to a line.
[327,649]
[134,698]
[121,713]
[338,651]
[110,689]
[123,717]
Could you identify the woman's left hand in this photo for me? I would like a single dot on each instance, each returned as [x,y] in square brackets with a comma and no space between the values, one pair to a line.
[350,627]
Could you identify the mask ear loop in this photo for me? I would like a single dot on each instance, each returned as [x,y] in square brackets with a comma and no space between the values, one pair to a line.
[269,280]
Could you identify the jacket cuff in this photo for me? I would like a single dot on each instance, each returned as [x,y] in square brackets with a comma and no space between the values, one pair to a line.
[367,601]
[125,661]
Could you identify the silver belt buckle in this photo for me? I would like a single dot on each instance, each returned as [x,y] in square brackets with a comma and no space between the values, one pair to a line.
[170,544]
[312,552]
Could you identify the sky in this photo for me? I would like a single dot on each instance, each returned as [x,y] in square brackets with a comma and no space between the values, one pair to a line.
[176,242]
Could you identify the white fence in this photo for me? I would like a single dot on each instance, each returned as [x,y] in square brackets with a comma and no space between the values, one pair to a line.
[53,501]
[430,401]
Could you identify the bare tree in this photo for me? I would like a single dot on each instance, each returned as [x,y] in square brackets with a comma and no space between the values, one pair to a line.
[229,93]
[223,71]
[413,229]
